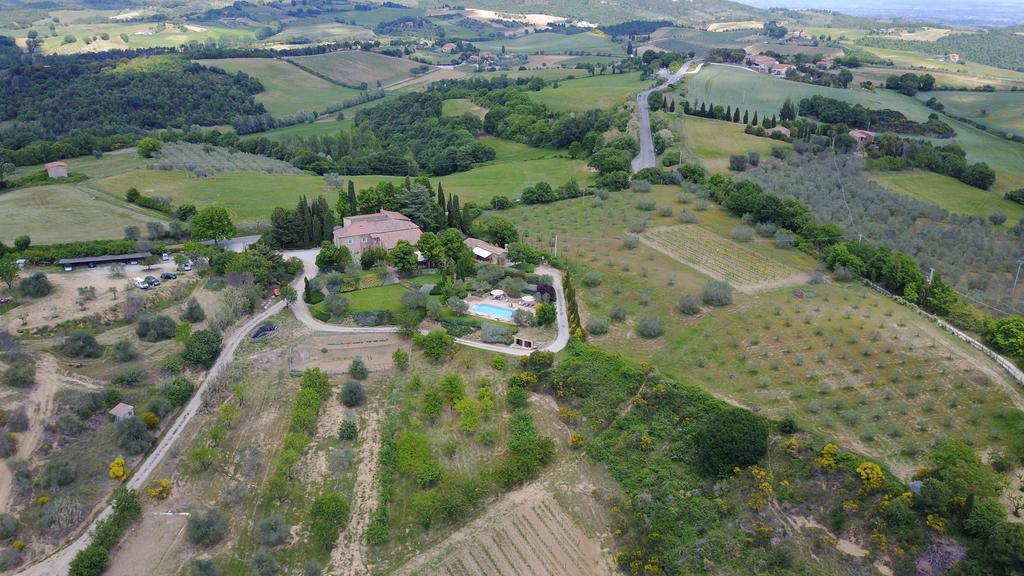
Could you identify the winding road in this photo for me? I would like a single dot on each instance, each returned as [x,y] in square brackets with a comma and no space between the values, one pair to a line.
[646,157]
[58,563]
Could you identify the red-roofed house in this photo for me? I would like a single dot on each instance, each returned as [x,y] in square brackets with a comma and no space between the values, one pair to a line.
[781,69]
[863,137]
[384,228]
[761,62]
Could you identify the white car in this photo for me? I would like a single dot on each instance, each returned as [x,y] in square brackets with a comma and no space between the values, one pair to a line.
[187,266]
[165,257]
[140,283]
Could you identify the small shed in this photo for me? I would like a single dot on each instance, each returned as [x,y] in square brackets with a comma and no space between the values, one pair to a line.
[449,48]
[57,170]
[122,411]
[487,252]
[863,137]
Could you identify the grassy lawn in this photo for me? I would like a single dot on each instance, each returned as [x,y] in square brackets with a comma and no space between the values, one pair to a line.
[381,298]
[713,141]
[949,193]
[586,93]
[1003,110]
[551,42]
[352,67]
[288,89]
[460,106]
[66,213]
[107,165]
[878,75]
[902,58]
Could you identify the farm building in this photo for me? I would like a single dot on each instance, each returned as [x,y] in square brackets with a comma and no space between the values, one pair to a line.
[781,69]
[384,228]
[863,137]
[107,259]
[57,170]
[449,48]
[122,411]
[487,252]
[761,63]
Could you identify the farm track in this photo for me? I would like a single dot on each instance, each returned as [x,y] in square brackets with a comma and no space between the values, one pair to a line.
[349,555]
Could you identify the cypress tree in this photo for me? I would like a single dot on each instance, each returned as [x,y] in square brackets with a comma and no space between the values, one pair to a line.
[456,213]
[408,183]
[774,121]
[736,115]
[672,106]
[326,220]
[352,211]
[703,109]
[711,110]
[746,116]
[754,123]
[440,200]
[451,216]
[728,113]
[467,217]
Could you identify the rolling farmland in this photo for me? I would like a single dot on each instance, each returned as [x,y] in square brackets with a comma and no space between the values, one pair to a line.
[353,67]
[719,258]
[287,88]
[550,42]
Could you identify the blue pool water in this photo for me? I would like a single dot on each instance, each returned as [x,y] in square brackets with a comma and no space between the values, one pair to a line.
[492,310]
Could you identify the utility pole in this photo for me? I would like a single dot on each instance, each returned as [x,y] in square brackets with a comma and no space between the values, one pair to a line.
[556,246]
[1020,261]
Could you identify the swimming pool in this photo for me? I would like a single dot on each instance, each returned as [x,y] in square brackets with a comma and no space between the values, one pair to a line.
[492,310]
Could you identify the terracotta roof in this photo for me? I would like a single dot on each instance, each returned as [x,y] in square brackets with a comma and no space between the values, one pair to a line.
[374,225]
[121,410]
[475,243]
[56,164]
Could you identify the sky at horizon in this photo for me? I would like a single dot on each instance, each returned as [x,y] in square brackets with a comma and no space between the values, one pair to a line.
[977,12]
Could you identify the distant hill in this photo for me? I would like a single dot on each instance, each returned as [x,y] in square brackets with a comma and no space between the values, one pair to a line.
[693,12]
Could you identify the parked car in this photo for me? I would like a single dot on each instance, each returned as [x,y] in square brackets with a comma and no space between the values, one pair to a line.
[165,257]
[140,283]
[187,266]
[92,264]
[152,281]
[134,262]
[6,299]
[168,276]
[68,267]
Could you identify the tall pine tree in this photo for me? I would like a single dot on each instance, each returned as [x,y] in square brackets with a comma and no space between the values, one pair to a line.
[440,200]
[353,209]
[746,116]
[456,213]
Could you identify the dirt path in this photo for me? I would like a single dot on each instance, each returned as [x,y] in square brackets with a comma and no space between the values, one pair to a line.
[349,555]
[39,407]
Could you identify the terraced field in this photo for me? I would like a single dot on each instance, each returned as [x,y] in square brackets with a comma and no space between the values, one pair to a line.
[709,253]
[528,533]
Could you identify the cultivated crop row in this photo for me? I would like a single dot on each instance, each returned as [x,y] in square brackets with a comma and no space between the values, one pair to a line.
[204,159]
[716,256]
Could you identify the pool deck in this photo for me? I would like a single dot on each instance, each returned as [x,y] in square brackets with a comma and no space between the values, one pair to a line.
[508,304]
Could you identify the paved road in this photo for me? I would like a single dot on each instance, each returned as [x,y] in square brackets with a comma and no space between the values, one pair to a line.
[646,157]
[58,563]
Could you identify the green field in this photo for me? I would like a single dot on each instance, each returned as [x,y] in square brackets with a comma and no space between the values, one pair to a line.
[140,35]
[353,67]
[251,197]
[319,31]
[713,141]
[589,92]
[726,86]
[460,106]
[879,74]
[902,58]
[949,193]
[287,88]
[1002,110]
[552,43]
[325,126]
[68,213]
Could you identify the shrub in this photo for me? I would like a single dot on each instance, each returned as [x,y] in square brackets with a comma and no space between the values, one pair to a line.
[523,317]
[206,527]
[178,391]
[650,327]
[641,186]
[91,561]
[765,229]
[517,397]
[753,158]
[598,325]
[131,377]
[716,293]
[689,305]
[496,334]
[272,531]
[202,567]
[785,239]
[731,438]
[742,234]
[203,348]
[35,286]
[328,514]
[133,436]
[8,526]
[400,358]
[436,345]
[81,345]
[264,563]
[193,311]
[155,328]
[172,364]
[20,374]
[124,350]
[630,241]
[57,474]
[617,313]
[737,163]
[592,279]
[646,204]
[352,394]
[348,430]
[357,369]
[687,217]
